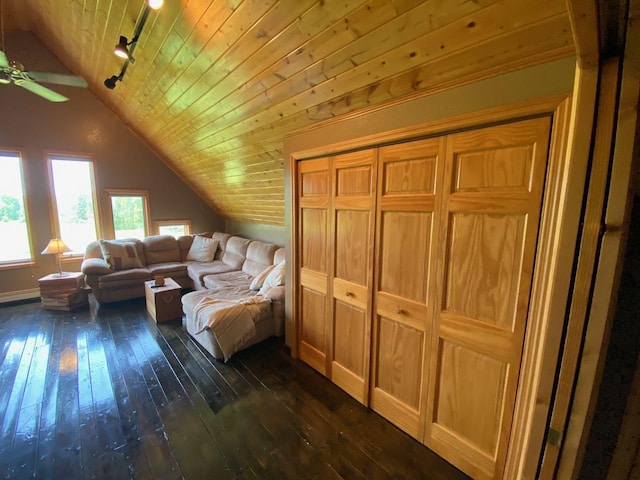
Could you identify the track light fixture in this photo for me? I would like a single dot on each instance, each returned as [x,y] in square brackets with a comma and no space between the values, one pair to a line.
[124,49]
[121,49]
[110,82]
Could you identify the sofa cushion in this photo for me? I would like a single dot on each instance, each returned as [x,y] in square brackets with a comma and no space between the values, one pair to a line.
[93,250]
[259,256]
[227,280]
[161,249]
[184,244]
[124,277]
[276,294]
[259,279]
[197,270]
[235,252]
[222,239]
[139,248]
[191,299]
[202,249]
[185,241]
[120,255]
[274,279]
[167,269]
[95,266]
[279,256]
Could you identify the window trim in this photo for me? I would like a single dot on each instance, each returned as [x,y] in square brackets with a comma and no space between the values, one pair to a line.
[26,262]
[53,205]
[186,222]
[126,192]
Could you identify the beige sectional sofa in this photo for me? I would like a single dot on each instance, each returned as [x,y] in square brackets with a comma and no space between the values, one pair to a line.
[228,276]
[236,258]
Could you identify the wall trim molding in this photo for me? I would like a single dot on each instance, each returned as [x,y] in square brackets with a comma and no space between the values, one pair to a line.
[19,295]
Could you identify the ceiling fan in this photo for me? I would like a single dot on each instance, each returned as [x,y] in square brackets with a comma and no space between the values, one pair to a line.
[14,72]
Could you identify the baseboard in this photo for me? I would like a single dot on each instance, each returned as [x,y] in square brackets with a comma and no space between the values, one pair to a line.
[6,297]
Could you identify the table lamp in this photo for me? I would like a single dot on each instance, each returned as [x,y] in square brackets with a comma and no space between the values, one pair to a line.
[56,247]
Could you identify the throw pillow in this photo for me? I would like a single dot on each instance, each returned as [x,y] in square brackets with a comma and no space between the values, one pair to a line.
[202,249]
[259,279]
[275,278]
[120,255]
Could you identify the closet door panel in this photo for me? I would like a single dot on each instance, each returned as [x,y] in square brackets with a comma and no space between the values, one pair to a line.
[468,371]
[313,223]
[401,349]
[490,210]
[484,266]
[313,341]
[404,229]
[352,245]
[352,214]
[314,239]
[400,273]
[350,334]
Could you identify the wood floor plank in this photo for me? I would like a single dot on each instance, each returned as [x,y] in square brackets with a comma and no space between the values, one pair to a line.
[162,461]
[66,462]
[195,450]
[86,415]
[207,398]
[324,437]
[107,393]
[132,450]
[19,459]
[48,412]
[110,460]
[349,459]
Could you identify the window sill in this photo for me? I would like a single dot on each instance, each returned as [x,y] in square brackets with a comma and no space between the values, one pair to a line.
[71,258]
[16,265]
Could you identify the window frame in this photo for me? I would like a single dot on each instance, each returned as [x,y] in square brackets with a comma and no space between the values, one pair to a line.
[185,222]
[126,192]
[53,204]
[9,264]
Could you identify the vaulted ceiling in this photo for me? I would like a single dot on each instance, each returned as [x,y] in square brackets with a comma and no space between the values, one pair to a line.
[217,84]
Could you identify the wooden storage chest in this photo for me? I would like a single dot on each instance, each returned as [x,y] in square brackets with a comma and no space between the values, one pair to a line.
[163,302]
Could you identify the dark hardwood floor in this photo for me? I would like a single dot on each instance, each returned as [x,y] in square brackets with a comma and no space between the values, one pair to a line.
[106,393]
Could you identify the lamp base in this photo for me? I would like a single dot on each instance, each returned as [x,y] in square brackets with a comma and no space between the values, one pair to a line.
[60,274]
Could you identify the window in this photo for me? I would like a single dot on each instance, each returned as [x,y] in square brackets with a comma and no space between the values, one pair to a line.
[129,213]
[14,231]
[73,191]
[173,227]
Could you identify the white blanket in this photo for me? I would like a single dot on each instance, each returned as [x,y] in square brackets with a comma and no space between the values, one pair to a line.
[231,322]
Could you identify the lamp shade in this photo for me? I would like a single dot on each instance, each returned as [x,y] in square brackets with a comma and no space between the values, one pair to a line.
[56,246]
[121,49]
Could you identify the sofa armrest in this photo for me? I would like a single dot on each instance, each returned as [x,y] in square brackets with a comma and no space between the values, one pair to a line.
[95,266]
[276,294]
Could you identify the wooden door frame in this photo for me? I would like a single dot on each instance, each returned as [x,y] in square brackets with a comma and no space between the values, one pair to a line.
[564,188]
[619,132]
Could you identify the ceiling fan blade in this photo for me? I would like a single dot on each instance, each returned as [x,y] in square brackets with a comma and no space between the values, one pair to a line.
[44,92]
[3,59]
[58,78]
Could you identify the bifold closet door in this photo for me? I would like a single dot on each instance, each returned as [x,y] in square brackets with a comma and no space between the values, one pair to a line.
[490,212]
[353,219]
[410,175]
[314,329]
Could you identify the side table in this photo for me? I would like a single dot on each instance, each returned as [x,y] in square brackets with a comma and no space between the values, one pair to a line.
[64,292]
[163,302]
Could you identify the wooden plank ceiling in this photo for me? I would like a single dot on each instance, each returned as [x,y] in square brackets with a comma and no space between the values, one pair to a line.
[217,84]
